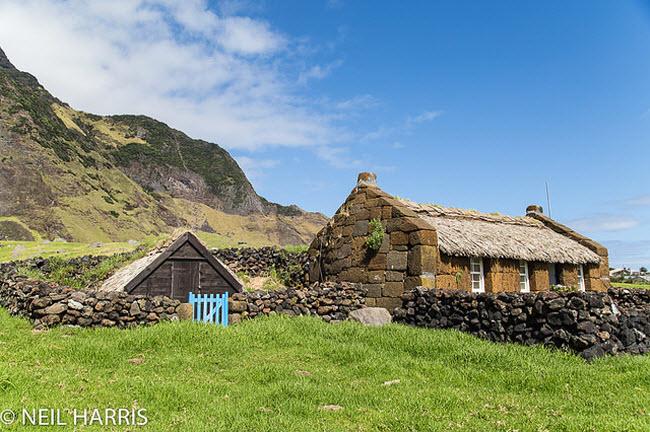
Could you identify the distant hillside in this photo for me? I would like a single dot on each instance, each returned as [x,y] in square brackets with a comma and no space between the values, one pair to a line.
[66,173]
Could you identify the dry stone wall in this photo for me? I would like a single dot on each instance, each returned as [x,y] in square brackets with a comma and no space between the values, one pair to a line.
[292,267]
[46,304]
[332,302]
[590,323]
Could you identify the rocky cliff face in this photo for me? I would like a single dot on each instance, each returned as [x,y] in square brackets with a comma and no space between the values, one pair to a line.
[66,173]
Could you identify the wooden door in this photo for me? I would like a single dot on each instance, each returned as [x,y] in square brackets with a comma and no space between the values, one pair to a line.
[185,279]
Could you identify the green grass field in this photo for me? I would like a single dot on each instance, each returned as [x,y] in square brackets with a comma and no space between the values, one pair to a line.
[629,285]
[275,373]
[72,250]
[57,249]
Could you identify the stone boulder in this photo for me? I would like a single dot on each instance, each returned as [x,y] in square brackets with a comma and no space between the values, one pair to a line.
[372,316]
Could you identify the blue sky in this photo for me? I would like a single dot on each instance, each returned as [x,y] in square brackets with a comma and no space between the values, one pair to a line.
[468,104]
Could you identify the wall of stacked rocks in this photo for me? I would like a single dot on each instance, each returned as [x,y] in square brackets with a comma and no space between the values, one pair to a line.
[590,323]
[293,267]
[46,304]
[330,301]
[406,259]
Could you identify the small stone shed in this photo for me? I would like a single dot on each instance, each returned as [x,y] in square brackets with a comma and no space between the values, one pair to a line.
[180,266]
[448,248]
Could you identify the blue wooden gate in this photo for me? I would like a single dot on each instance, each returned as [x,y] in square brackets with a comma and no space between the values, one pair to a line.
[210,308]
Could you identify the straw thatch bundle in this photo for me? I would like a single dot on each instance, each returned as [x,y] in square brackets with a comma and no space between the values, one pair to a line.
[472,234]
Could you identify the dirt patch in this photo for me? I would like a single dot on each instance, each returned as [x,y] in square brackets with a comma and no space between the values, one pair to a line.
[263,283]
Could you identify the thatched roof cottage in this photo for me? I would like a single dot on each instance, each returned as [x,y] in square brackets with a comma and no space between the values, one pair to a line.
[174,269]
[440,247]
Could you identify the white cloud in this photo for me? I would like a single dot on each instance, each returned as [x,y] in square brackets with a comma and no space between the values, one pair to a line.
[255,168]
[318,72]
[603,223]
[219,77]
[358,102]
[424,117]
[398,145]
[382,132]
[404,127]
[641,201]
[338,157]
[246,36]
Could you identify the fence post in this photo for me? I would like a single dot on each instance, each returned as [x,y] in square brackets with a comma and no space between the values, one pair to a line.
[192,301]
[224,310]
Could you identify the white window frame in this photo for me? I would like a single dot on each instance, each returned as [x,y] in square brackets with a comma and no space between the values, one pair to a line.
[524,286]
[472,273]
[581,278]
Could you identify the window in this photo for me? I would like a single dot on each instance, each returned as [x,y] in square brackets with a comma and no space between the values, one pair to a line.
[581,278]
[476,273]
[552,274]
[524,282]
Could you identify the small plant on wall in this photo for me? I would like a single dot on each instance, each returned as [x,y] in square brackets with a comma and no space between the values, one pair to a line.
[374,241]
[458,277]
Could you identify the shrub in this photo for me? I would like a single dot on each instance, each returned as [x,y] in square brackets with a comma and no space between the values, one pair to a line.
[374,241]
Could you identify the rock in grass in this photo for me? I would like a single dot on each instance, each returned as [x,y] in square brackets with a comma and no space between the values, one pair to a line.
[372,316]
[185,311]
[330,407]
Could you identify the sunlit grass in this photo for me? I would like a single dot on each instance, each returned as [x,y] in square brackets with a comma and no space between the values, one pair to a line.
[275,373]
[57,249]
[629,285]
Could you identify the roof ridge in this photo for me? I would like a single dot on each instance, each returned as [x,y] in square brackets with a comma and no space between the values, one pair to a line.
[437,210]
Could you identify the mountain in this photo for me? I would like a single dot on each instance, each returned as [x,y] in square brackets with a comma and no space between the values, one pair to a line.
[84,177]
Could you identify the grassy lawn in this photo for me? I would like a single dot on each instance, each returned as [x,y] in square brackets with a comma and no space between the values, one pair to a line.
[275,373]
[629,285]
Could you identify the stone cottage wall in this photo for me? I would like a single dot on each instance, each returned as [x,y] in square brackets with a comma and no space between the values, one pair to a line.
[596,277]
[590,323]
[538,276]
[453,273]
[407,257]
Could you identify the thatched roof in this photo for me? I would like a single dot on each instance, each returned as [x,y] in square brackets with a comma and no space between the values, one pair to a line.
[123,276]
[472,234]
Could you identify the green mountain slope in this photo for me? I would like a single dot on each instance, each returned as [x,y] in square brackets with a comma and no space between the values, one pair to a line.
[66,173]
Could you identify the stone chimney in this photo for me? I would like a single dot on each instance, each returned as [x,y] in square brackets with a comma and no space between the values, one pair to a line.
[367,179]
[534,209]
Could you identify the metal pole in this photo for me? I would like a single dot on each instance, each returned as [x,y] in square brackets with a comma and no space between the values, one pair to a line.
[548,200]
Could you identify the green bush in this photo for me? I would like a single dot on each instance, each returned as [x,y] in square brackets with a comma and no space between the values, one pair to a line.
[374,241]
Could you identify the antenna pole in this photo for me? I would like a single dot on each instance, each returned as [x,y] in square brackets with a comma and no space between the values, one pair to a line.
[548,200]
